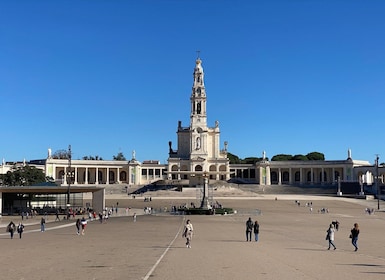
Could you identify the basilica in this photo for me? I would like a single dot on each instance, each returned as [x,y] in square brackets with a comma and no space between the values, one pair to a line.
[199,155]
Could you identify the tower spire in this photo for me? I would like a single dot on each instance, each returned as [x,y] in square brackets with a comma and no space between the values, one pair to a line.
[198,117]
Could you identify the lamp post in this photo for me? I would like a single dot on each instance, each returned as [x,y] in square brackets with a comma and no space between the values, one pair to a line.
[377,187]
[205,200]
[69,176]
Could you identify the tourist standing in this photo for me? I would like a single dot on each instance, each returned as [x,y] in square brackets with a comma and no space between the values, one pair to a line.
[134,217]
[20,229]
[354,236]
[11,228]
[330,236]
[256,230]
[42,224]
[249,229]
[188,233]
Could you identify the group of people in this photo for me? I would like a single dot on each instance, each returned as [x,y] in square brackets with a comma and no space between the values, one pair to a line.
[354,232]
[11,228]
[250,228]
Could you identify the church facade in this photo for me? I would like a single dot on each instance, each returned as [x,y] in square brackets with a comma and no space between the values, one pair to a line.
[199,156]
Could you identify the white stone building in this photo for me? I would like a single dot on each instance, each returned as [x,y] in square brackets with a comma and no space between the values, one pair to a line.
[199,156]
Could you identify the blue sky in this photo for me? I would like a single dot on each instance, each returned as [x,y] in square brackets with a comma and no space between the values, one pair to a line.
[287,77]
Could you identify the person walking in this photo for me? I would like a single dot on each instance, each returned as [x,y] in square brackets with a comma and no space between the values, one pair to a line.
[57,216]
[330,236]
[354,236]
[249,229]
[20,229]
[134,217]
[11,228]
[256,230]
[188,233]
[77,224]
[42,224]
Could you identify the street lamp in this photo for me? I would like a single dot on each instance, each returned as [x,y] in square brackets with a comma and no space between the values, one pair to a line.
[377,187]
[69,176]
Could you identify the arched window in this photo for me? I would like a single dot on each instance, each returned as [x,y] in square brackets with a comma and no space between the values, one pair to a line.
[274,177]
[285,176]
[111,176]
[198,168]
[123,176]
[309,176]
[297,176]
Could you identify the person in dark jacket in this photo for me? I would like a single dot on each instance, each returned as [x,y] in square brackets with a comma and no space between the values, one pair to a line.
[256,230]
[354,235]
[249,229]
[78,224]
[11,228]
[20,229]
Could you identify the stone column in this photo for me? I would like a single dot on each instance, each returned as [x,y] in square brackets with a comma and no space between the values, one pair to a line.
[268,177]
[290,176]
[301,176]
[76,176]
[118,176]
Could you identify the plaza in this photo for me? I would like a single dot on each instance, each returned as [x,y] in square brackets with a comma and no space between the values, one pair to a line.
[292,243]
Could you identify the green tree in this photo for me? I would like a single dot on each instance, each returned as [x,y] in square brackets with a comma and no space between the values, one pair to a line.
[299,157]
[281,157]
[24,176]
[252,160]
[315,156]
[61,154]
[92,158]
[119,156]
[233,158]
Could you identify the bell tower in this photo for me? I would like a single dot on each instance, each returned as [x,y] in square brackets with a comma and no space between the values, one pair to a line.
[198,155]
[198,115]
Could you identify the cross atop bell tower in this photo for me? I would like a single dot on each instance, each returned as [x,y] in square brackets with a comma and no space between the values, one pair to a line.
[198,116]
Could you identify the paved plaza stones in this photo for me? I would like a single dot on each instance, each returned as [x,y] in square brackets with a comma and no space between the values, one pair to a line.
[292,244]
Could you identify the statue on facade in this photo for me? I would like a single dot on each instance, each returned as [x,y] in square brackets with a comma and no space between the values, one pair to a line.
[198,143]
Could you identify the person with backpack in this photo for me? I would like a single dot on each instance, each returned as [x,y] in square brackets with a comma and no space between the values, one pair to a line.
[11,228]
[330,236]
